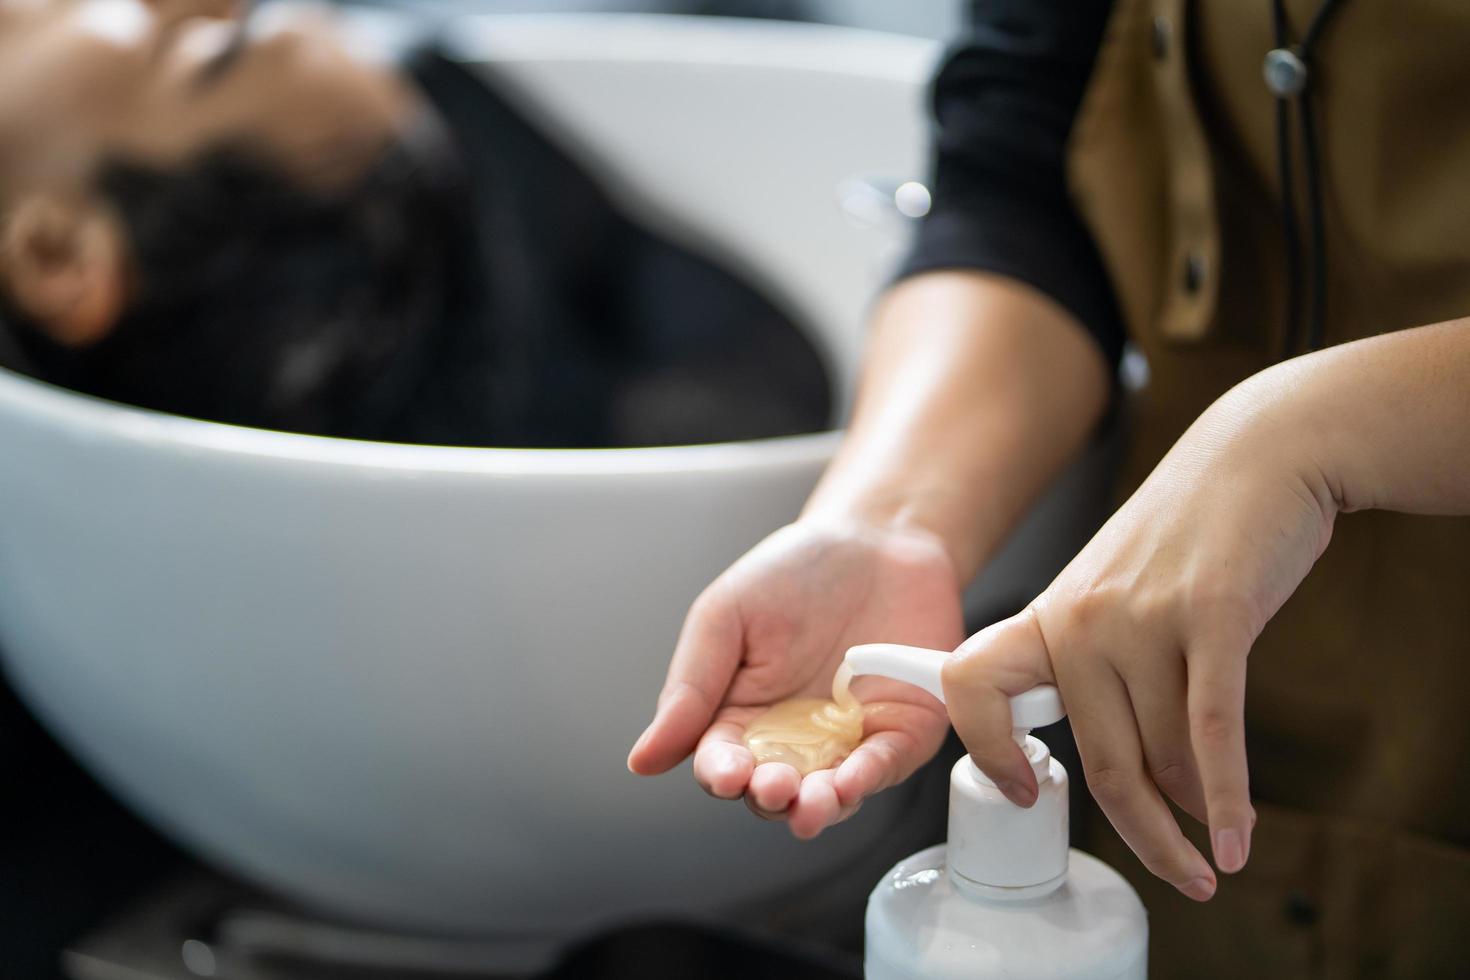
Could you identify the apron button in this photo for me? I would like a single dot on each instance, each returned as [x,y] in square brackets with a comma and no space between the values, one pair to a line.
[1285,73]
[1194,272]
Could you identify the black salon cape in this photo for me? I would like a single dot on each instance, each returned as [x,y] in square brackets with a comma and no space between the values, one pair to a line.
[584,329]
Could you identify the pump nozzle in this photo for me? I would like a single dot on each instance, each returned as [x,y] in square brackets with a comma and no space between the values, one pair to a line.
[1036,708]
[996,849]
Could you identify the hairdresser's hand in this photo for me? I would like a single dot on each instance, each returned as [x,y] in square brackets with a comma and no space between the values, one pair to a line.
[775,626]
[1146,633]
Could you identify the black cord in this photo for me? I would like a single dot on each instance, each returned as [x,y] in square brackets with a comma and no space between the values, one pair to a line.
[1319,21]
[1284,170]
[1316,326]
[1317,310]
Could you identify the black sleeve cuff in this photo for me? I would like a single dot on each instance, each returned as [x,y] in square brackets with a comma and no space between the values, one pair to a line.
[1049,251]
[1004,104]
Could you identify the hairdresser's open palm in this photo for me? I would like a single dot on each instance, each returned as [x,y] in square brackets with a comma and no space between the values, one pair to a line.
[775,626]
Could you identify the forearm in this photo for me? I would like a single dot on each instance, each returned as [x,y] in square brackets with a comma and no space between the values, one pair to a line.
[976,392]
[1386,420]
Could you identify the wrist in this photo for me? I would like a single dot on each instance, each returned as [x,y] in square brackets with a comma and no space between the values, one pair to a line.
[1278,424]
[898,536]
[1387,418]
[943,518]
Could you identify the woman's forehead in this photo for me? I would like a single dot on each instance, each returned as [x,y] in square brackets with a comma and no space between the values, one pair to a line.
[31,27]
[122,22]
[128,78]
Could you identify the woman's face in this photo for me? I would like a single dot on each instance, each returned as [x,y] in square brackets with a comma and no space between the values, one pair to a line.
[83,81]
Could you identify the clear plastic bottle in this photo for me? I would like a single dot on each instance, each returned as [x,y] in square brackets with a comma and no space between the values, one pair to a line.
[1005,897]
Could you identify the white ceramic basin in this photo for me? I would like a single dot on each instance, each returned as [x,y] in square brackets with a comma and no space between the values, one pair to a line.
[399,682]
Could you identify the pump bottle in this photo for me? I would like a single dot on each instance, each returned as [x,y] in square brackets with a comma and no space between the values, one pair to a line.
[1005,897]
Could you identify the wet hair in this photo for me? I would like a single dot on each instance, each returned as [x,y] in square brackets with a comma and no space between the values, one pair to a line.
[260,302]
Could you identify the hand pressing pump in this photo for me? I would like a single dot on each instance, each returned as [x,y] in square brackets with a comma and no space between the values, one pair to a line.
[1005,897]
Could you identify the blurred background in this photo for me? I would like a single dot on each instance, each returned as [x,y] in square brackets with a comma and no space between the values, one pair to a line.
[73,862]
[90,892]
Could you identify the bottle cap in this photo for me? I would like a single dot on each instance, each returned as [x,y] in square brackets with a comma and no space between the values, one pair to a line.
[996,850]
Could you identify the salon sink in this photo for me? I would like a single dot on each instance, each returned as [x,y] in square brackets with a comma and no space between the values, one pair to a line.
[398,682]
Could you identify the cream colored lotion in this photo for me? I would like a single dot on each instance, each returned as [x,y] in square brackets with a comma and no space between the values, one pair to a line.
[809,733]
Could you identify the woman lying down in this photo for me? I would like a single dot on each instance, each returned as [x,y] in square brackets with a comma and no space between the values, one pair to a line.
[250,224]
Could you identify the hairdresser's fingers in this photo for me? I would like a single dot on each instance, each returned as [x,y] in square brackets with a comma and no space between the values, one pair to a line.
[816,806]
[882,760]
[1112,759]
[704,662]
[773,816]
[980,678]
[1157,690]
[773,787]
[722,763]
[1217,729]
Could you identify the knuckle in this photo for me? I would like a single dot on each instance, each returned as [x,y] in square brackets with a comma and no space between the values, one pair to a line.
[1172,776]
[1093,611]
[965,674]
[708,603]
[688,690]
[1220,609]
[1085,612]
[1148,607]
[1215,726]
[1169,867]
[957,671]
[888,759]
[1110,785]
[1229,815]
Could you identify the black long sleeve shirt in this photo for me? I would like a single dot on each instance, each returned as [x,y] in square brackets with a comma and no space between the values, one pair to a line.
[1004,104]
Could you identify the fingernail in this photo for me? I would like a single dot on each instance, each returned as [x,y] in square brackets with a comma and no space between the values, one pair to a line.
[637,747]
[1199,889]
[1229,850]
[1018,793]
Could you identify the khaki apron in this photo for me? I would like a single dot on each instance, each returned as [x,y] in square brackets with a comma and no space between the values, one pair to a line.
[1358,704]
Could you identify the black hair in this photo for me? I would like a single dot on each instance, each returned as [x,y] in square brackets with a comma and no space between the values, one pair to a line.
[260,302]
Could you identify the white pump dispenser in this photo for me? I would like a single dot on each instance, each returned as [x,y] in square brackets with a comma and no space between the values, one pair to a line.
[1005,897]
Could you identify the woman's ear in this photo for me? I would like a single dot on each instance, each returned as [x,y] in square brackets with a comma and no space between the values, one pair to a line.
[63,265]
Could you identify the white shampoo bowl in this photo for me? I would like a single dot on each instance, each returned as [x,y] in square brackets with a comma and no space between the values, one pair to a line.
[399,682]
